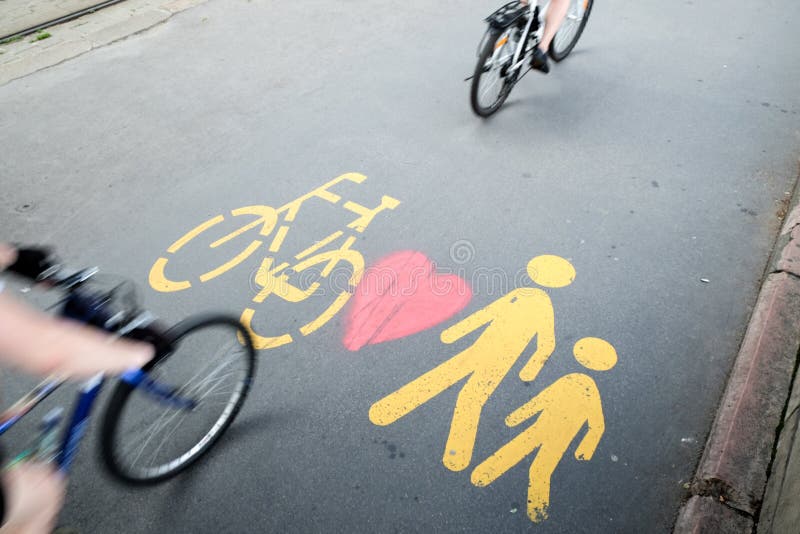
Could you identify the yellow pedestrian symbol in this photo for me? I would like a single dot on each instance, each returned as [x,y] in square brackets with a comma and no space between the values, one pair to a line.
[511,323]
[564,408]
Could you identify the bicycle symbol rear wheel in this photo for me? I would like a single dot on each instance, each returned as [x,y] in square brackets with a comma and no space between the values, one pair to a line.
[146,438]
[266,220]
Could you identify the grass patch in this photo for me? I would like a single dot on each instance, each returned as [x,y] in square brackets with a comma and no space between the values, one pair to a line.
[41,35]
[11,40]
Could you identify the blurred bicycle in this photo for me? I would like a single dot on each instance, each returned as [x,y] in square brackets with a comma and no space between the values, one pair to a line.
[513,34]
[160,419]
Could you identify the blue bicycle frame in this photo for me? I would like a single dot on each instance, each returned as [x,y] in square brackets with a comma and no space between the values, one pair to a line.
[93,310]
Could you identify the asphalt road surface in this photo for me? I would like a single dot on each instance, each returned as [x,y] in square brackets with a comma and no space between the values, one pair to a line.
[655,161]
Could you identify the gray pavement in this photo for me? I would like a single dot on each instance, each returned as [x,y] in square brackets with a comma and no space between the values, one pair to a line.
[658,172]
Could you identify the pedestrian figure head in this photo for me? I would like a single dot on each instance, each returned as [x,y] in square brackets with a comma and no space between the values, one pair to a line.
[595,353]
[551,271]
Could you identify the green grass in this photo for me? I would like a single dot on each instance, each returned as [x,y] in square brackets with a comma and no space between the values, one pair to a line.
[11,40]
[41,35]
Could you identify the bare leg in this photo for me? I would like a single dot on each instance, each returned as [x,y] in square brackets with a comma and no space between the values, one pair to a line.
[507,456]
[419,391]
[555,16]
[540,473]
[467,416]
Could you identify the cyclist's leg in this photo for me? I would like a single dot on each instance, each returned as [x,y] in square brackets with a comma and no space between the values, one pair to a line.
[555,16]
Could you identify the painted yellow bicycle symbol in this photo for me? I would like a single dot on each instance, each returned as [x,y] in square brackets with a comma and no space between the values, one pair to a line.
[272,277]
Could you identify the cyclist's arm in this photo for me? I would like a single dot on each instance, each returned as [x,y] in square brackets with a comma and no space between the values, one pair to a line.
[38,343]
[31,495]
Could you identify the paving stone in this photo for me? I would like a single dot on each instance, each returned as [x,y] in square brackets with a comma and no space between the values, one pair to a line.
[12,70]
[76,37]
[56,54]
[17,15]
[789,260]
[780,512]
[179,5]
[134,24]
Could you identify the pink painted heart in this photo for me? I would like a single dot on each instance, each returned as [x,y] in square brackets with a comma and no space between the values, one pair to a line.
[400,295]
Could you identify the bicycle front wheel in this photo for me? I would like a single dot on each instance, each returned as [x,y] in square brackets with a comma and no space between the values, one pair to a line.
[571,29]
[492,81]
[195,389]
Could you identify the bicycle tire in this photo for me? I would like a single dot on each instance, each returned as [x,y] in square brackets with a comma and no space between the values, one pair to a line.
[128,404]
[561,47]
[481,71]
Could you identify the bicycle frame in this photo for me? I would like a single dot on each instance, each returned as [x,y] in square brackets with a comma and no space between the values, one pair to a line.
[513,44]
[73,433]
[91,309]
[536,13]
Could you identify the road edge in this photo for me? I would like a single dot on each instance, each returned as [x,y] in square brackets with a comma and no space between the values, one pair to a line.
[93,30]
[730,480]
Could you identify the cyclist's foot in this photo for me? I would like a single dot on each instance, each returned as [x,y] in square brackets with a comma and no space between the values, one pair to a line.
[539,60]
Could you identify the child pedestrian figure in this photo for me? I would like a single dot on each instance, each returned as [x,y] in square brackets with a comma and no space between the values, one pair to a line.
[564,408]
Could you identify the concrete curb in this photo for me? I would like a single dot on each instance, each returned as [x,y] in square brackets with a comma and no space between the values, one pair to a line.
[732,475]
[707,515]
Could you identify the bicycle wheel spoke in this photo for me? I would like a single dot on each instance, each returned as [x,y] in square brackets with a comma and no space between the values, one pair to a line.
[494,82]
[150,436]
[199,388]
[164,420]
[566,32]
[167,436]
[492,79]
[571,29]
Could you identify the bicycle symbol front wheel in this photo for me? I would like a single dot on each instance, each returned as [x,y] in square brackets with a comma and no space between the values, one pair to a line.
[204,379]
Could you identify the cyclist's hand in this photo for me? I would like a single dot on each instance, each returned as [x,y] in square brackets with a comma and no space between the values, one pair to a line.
[31,262]
[37,343]
[34,495]
[82,352]
[8,255]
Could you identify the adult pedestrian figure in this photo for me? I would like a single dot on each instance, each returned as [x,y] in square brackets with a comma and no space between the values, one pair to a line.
[511,322]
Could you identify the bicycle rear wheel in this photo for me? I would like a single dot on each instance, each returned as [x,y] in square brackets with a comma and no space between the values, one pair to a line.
[148,437]
[492,81]
[571,29]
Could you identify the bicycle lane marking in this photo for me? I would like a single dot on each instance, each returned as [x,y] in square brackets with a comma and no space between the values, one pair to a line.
[384,309]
